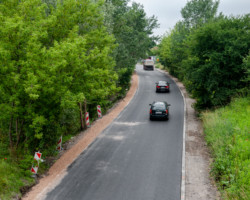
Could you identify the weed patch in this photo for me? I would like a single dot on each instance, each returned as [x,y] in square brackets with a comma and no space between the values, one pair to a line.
[227,134]
[12,179]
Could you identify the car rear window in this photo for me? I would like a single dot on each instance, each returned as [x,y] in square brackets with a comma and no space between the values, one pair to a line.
[162,83]
[159,105]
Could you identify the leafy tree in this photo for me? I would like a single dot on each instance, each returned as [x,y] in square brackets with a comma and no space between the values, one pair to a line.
[207,53]
[57,60]
[172,49]
[133,32]
[198,12]
[56,55]
[246,78]
[18,81]
[51,62]
[215,64]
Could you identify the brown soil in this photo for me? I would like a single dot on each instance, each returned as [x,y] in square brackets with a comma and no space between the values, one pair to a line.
[198,184]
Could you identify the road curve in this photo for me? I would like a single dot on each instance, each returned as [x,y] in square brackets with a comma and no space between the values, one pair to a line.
[133,158]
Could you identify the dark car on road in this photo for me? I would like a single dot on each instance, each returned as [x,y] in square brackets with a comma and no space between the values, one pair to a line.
[159,110]
[162,86]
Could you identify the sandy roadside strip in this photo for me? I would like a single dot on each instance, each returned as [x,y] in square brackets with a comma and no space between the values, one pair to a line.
[58,169]
[196,181]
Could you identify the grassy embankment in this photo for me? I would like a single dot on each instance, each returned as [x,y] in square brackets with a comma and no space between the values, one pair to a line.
[15,169]
[12,179]
[227,132]
[15,174]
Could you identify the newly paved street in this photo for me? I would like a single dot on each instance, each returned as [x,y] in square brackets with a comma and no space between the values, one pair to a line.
[134,158]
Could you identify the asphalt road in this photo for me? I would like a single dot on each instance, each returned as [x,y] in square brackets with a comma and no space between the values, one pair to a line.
[134,158]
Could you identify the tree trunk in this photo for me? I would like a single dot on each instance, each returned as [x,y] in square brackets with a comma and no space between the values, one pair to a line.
[17,128]
[81,117]
[10,133]
[18,132]
[85,110]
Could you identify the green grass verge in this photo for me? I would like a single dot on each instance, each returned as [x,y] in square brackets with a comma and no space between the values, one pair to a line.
[227,132]
[15,174]
[12,179]
[158,65]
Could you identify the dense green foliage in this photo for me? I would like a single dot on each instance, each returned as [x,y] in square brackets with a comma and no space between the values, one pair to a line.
[133,33]
[214,68]
[211,55]
[50,64]
[227,133]
[208,54]
[172,50]
[59,59]
[198,12]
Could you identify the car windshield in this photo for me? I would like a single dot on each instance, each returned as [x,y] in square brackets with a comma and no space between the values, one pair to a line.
[159,105]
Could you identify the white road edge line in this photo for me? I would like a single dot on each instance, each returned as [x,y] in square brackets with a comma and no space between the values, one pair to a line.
[183,169]
[183,177]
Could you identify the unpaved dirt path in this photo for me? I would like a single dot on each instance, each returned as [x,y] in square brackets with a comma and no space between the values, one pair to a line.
[197,181]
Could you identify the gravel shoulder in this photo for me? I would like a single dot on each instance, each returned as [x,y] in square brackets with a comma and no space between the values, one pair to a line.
[198,184]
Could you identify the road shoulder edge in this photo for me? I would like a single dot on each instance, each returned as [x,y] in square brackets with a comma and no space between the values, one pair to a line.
[183,169]
[59,169]
[196,180]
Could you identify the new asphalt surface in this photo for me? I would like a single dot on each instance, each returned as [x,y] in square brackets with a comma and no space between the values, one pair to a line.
[134,158]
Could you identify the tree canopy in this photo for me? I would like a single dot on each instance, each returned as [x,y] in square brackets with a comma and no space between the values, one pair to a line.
[208,53]
[133,31]
[57,56]
[197,12]
[50,62]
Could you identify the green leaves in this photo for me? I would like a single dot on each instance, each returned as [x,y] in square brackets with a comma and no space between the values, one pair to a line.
[37,125]
[208,56]
[53,59]
[198,12]
[220,47]
[133,33]
[60,58]
[31,86]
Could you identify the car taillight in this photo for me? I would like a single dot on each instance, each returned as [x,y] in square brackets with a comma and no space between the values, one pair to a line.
[150,111]
[158,86]
[167,111]
[166,86]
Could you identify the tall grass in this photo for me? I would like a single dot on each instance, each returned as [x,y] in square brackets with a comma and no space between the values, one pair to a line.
[11,180]
[227,132]
[14,174]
